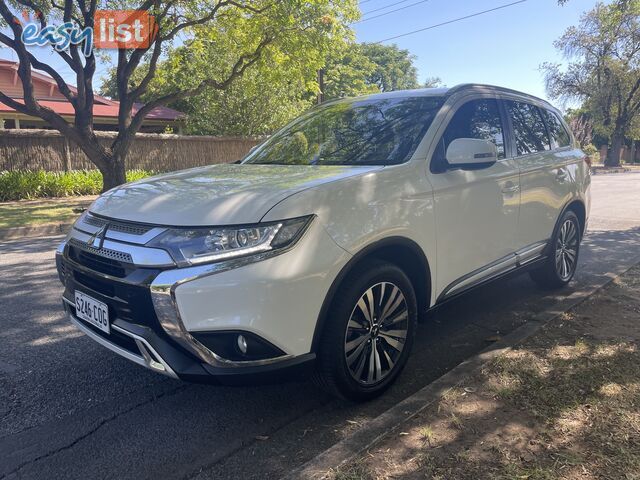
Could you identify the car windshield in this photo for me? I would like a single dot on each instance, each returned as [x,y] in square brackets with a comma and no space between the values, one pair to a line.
[357,132]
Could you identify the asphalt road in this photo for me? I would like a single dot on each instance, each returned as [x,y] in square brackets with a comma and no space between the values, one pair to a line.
[71,409]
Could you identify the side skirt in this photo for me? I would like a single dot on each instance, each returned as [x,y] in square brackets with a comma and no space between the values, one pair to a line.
[513,265]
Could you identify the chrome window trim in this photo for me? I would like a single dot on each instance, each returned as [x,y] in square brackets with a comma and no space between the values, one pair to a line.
[144,360]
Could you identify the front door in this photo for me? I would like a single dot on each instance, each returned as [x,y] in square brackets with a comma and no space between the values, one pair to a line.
[476,210]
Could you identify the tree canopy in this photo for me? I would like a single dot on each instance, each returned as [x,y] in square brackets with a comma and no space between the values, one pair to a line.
[603,71]
[239,34]
[281,84]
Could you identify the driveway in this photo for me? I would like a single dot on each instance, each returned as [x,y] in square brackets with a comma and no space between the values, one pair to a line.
[71,409]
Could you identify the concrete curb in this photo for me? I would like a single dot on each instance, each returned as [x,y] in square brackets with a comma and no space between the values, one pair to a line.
[606,171]
[364,438]
[34,231]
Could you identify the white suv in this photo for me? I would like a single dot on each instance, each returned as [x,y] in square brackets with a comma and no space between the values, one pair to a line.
[316,255]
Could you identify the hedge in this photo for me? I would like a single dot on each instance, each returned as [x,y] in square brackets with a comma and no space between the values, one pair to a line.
[21,185]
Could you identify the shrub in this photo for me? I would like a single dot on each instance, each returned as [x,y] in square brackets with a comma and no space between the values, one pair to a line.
[27,184]
[592,152]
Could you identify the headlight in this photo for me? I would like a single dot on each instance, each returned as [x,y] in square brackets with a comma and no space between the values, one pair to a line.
[206,245]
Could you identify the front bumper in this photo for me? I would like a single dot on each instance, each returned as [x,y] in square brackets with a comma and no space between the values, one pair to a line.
[156,309]
[159,354]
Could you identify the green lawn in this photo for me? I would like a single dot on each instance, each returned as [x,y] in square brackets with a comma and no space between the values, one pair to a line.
[36,212]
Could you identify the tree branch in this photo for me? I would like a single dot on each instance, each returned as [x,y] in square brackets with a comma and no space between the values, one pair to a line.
[38,65]
[125,136]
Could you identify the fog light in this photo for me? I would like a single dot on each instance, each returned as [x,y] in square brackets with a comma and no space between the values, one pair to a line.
[238,346]
[242,344]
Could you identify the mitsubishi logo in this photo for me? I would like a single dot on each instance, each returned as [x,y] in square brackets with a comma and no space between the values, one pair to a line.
[97,239]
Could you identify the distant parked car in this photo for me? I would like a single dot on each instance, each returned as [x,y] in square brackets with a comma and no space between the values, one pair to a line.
[316,254]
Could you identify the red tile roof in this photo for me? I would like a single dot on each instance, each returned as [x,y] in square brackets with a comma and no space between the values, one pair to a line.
[103,107]
[105,111]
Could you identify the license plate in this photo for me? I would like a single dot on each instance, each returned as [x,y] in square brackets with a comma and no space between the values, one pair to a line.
[93,311]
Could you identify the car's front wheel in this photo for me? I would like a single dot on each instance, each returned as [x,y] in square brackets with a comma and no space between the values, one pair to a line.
[368,333]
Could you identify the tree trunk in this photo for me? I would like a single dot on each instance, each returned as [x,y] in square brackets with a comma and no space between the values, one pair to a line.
[111,167]
[113,175]
[613,156]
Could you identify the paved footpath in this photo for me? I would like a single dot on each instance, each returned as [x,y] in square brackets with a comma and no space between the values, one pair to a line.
[71,409]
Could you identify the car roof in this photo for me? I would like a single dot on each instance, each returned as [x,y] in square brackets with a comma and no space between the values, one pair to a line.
[446,92]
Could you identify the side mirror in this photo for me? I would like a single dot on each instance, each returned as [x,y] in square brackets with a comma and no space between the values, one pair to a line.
[471,153]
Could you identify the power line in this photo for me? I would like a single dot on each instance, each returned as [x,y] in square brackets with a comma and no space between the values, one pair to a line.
[451,21]
[385,7]
[391,11]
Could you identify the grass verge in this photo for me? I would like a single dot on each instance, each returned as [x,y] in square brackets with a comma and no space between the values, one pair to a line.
[41,212]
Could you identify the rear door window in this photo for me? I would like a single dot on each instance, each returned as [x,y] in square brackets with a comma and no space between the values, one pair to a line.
[559,135]
[529,129]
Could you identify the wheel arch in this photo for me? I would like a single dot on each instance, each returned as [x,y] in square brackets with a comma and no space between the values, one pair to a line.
[401,251]
[578,207]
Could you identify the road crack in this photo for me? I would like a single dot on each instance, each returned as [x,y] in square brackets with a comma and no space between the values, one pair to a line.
[97,427]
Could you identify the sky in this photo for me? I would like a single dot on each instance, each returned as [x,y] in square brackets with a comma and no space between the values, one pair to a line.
[504,47]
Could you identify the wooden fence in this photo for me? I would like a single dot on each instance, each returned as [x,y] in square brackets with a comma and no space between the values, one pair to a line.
[48,150]
[628,155]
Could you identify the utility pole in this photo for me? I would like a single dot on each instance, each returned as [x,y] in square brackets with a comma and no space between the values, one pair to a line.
[321,86]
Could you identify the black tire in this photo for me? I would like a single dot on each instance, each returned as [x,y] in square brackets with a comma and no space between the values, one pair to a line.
[380,280]
[555,273]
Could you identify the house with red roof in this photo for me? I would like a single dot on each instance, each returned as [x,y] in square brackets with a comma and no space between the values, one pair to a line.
[105,111]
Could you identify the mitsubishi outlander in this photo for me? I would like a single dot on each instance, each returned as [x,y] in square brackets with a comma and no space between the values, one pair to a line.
[316,254]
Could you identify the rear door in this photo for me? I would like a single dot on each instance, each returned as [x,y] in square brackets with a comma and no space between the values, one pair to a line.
[476,209]
[544,178]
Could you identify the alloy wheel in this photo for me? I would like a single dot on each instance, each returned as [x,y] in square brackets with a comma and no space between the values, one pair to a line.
[567,249]
[376,333]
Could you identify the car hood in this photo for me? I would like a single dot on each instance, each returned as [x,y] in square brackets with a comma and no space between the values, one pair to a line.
[225,194]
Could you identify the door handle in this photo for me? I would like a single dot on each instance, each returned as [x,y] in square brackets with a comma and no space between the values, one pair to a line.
[510,188]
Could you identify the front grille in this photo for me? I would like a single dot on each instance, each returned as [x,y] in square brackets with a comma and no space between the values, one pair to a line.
[102,252]
[118,226]
[102,260]
[127,301]
[95,284]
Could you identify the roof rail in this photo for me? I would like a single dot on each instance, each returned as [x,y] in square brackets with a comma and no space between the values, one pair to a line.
[464,86]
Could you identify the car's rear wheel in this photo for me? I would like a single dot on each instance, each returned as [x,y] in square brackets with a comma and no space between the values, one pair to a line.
[368,333]
[562,260]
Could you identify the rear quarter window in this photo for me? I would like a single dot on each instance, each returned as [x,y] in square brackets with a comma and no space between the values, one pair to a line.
[557,131]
